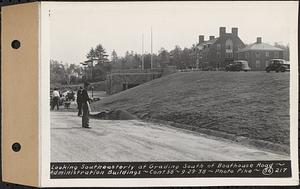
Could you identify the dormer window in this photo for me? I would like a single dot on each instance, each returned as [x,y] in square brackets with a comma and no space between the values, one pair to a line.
[229,44]
[229,47]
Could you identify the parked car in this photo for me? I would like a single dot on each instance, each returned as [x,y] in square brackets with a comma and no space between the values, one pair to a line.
[278,65]
[238,65]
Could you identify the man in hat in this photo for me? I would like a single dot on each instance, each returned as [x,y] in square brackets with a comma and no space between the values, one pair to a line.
[78,100]
[85,100]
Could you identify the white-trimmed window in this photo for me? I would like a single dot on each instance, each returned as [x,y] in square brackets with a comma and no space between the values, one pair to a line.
[228,55]
[267,54]
[276,54]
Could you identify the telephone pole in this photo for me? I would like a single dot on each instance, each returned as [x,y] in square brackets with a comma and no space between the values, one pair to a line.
[143,67]
[151,50]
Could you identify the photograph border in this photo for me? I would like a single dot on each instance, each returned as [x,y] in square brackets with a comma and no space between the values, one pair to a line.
[44,123]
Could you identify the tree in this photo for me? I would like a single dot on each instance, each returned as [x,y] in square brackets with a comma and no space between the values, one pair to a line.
[114,57]
[286,50]
[71,72]
[176,59]
[61,74]
[91,54]
[56,73]
[163,58]
[100,54]
[102,66]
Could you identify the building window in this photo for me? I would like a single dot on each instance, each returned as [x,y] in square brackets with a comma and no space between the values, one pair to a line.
[267,63]
[239,55]
[257,54]
[218,47]
[276,54]
[267,54]
[257,64]
[218,55]
[229,55]
[246,55]
[229,44]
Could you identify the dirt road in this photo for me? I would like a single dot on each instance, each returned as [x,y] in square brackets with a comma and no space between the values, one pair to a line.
[134,140]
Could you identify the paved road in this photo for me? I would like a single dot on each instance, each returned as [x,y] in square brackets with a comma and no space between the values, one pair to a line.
[135,140]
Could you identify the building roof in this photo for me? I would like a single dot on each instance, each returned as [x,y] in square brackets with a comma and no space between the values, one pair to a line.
[209,42]
[259,47]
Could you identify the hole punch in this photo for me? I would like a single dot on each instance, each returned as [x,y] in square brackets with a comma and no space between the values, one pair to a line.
[15,44]
[16,147]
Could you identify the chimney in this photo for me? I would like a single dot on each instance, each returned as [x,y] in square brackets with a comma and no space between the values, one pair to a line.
[258,40]
[234,31]
[222,31]
[211,37]
[201,38]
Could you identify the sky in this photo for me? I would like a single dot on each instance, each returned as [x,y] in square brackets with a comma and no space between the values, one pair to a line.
[77,27]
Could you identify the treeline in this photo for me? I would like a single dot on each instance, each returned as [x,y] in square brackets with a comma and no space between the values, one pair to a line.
[98,65]
[64,74]
[181,58]
[286,50]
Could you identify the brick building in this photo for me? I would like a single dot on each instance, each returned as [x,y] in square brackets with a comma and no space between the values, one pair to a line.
[216,53]
[258,54]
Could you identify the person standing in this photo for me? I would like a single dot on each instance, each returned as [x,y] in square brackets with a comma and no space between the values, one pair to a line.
[85,106]
[79,101]
[56,97]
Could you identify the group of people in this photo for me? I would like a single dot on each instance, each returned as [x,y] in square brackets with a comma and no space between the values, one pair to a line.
[83,105]
[56,99]
[83,102]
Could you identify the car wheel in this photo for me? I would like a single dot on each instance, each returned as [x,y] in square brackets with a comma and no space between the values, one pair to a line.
[282,69]
[268,70]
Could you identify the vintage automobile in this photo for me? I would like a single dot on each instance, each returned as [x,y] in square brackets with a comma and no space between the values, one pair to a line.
[278,65]
[238,65]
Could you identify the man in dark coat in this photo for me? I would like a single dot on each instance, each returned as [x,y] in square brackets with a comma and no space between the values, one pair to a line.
[85,106]
[79,101]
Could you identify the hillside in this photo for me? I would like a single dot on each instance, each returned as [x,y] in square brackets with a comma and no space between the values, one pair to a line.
[253,105]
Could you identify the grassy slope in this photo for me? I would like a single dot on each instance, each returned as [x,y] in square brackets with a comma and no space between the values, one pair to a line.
[254,105]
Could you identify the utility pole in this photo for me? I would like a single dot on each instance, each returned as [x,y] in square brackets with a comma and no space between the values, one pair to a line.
[151,50]
[143,66]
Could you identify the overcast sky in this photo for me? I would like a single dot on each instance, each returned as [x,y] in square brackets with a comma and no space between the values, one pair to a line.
[76,27]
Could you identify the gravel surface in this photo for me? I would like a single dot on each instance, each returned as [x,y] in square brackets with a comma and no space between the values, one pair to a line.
[133,140]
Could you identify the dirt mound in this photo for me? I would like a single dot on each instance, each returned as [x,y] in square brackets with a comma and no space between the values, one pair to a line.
[114,115]
[254,105]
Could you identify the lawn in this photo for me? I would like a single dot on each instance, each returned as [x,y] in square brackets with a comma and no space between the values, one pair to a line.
[254,105]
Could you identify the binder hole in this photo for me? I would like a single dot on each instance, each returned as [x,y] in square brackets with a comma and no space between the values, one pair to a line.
[15,44]
[16,147]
